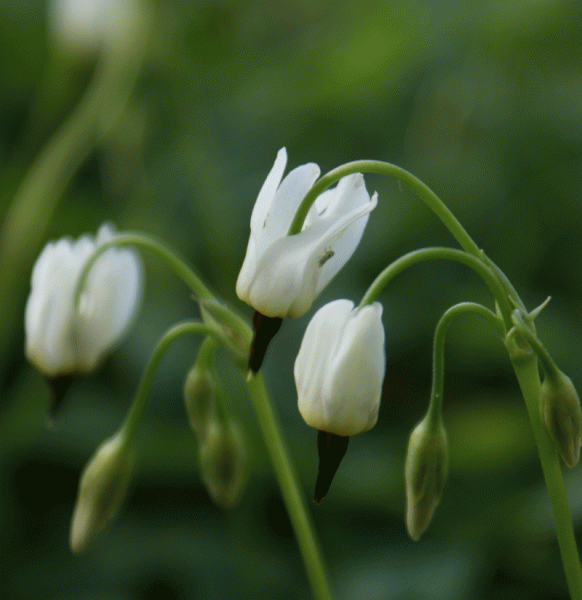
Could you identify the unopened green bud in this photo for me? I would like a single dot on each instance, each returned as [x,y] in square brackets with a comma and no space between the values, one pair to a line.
[562,416]
[200,392]
[102,489]
[223,463]
[425,472]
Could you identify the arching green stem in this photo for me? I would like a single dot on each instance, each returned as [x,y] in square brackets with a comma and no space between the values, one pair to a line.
[416,256]
[135,412]
[438,362]
[140,240]
[398,173]
[237,334]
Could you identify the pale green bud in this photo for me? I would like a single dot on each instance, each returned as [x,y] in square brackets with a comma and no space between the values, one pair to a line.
[102,489]
[425,472]
[562,416]
[200,394]
[223,463]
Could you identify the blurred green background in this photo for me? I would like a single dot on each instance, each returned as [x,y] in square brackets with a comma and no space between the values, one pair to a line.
[481,100]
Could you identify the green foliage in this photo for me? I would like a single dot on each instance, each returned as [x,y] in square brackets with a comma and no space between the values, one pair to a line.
[482,102]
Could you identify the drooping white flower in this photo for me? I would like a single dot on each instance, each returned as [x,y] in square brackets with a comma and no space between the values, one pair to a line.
[281,275]
[340,366]
[61,338]
[86,25]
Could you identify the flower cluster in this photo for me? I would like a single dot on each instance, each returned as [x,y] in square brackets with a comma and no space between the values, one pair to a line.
[85,293]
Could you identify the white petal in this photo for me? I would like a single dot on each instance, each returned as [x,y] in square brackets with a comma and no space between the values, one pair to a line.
[111,298]
[49,317]
[347,243]
[287,199]
[267,193]
[354,380]
[60,339]
[318,346]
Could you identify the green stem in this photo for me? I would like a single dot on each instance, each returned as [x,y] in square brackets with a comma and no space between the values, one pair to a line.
[175,262]
[290,490]
[133,418]
[526,369]
[550,368]
[416,256]
[438,363]
[398,173]
[236,334]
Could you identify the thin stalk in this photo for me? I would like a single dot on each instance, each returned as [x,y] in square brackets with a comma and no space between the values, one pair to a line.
[140,240]
[398,173]
[133,418]
[288,482]
[526,369]
[438,362]
[416,256]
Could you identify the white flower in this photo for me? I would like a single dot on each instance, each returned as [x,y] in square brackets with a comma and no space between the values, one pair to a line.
[86,25]
[61,339]
[281,275]
[340,368]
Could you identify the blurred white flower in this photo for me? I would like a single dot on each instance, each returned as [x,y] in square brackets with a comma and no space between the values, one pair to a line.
[340,366]
[281,275]
[61,339]
[86,25]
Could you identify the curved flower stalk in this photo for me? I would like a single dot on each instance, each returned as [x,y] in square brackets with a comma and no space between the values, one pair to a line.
[282,275]
[339,372]
[62,338]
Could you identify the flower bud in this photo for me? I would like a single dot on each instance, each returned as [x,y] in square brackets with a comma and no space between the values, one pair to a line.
[102,489]
[340,368]
[562,416]
[223,463]
[425,473]
[200,395]
[282,274]
[62,338]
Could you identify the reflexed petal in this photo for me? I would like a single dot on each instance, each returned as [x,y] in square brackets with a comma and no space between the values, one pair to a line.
[288,198]
[281,275]
[347,233]
[267,193]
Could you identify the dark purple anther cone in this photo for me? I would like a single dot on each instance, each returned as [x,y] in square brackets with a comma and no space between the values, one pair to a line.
[265,330]
[331,448]
[59,387]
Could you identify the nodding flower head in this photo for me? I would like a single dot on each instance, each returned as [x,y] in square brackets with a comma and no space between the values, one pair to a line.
[282,274]
[339,369]
[62,338]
